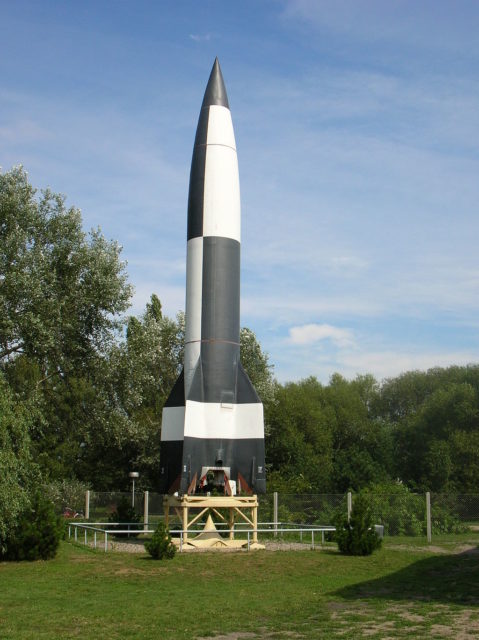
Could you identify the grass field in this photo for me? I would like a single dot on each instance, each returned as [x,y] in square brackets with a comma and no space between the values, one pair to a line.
[402,591]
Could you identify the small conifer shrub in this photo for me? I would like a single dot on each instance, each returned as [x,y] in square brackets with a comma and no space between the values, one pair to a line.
[126,515]
[37,533]
[160,546]
[357,536]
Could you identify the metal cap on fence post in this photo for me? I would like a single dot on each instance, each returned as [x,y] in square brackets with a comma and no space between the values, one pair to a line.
[145,510]
[87,504]
[428,516]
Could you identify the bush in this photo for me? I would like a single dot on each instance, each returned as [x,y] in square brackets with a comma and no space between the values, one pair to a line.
[160,546]
[357,537]
[445,520]
[37,533]
[401,512]
[123,514]
[66,494]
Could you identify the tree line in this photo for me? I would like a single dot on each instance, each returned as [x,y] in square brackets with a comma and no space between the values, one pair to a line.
[82,383]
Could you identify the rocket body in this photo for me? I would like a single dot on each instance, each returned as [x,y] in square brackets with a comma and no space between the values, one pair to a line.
[212,422]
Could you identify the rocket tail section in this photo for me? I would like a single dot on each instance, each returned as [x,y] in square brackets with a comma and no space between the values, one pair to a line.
[226,436]
[198,436]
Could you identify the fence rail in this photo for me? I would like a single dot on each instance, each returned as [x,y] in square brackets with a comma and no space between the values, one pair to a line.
[401,514]
[106,529]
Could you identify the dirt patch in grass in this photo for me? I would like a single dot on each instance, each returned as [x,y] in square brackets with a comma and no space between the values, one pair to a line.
[231,636]
[467,548]
[428,548]
[405,620]
[246,635]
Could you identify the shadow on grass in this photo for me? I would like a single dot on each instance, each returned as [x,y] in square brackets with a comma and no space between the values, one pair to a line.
[451,579]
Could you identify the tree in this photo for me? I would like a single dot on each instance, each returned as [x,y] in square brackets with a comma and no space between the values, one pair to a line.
[18,473]
[361,442]
[161,547]
[60,290]
[62,293]
[357,536]
[298,439]
[142,372]
[37,533]
[256,364]
[438,445]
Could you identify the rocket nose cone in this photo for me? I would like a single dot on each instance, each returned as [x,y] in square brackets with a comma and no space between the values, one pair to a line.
[215,89]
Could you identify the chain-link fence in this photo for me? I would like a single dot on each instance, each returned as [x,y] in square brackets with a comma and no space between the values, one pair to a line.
[402,513]
[454,513]
[103,505]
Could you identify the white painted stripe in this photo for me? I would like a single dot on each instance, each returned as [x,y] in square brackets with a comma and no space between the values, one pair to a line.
[194,286]
[172,423]
[194,292]
[212,420]
[220,127]
[221,204]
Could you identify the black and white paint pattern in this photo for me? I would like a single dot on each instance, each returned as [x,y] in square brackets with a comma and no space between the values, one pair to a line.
[213,407]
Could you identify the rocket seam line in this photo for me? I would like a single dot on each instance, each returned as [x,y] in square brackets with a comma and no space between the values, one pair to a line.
[216,144]
[209,340]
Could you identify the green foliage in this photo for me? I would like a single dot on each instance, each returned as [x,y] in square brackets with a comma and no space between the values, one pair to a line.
[66,493]
[127,518]
[61,289]
[298,439]
[61,293]
[401,512]
[37,533]
[256,364]
[357,536]
[444,515]
[160,547]
[434,417]
[18,472]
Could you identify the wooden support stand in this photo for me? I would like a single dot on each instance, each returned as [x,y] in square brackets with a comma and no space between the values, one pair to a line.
[191,508]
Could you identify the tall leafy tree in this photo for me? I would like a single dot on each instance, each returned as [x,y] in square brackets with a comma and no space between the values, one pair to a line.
[299,439]
[62,295]
[61,290]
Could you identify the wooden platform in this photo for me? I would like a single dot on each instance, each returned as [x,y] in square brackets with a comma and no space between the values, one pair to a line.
[192,508]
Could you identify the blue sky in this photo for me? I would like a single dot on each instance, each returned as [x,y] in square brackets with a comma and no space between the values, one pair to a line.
[357,128]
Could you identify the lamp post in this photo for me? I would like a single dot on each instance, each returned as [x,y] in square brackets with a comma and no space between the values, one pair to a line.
[133,475]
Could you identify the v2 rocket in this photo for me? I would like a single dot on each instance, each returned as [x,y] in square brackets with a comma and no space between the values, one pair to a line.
[212,425]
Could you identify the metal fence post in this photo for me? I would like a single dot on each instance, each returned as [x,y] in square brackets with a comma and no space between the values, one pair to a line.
[275,513]
[428,516]
[350,504]
[146,497]
[87,504]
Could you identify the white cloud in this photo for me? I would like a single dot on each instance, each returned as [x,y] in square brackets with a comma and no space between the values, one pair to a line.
[200,38]
[311,333]
[386,364]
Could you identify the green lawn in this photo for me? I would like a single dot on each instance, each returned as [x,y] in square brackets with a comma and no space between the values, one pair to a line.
[399,592]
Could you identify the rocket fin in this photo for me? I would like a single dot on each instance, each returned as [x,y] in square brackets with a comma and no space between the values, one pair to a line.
[245,392]
[172,430]
[177,394]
